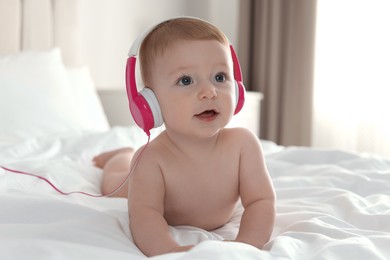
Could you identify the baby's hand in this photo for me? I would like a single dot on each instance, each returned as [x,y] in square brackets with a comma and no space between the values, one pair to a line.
[181,249]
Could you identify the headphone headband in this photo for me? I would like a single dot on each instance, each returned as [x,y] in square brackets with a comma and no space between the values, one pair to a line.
[138,41]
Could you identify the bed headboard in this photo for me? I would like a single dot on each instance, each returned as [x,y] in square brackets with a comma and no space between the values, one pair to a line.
[40,25]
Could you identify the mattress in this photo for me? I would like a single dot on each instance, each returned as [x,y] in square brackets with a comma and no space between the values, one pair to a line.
[331,204]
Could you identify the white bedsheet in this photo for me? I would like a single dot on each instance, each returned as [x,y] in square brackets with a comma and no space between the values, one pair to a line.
[331,205]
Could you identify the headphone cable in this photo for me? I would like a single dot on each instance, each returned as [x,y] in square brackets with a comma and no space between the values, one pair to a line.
[120,186]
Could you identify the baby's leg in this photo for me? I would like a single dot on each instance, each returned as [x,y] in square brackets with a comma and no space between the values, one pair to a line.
[116,167]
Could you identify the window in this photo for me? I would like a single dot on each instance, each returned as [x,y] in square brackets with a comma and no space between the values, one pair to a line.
[352,76]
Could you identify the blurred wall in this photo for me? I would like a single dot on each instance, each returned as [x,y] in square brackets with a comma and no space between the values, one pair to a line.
[109,27]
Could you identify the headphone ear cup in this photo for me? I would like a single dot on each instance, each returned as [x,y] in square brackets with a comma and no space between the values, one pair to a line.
[240,96]
[239,86]
[154,106]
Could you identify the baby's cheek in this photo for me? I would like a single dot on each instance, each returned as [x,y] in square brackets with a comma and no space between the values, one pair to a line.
[174,115]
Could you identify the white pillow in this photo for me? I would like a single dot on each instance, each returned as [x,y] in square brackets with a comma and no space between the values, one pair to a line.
[88,101]
[36,98]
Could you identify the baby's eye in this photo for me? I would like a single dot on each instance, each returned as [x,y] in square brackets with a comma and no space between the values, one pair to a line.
[185,81]
[220,77]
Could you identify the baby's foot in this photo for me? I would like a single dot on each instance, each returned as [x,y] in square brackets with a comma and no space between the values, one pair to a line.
[101,159]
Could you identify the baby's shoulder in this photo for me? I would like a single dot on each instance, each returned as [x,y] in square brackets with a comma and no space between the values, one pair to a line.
[152,148]
[149,156]
[240,137]
[238,133]
[243,140]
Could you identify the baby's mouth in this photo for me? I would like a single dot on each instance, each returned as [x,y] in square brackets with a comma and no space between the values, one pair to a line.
[207,115]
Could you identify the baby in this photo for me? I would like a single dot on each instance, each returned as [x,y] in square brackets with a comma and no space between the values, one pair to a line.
[196,171]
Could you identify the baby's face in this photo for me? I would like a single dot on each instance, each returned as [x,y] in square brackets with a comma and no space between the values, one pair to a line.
[194,84]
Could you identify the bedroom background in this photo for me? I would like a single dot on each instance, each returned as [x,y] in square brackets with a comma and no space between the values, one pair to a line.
[332,204]
[279,44]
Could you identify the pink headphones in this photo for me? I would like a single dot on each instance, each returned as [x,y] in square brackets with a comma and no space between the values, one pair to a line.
[144,106]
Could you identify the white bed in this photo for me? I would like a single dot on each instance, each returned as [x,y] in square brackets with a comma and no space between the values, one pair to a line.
[331,204]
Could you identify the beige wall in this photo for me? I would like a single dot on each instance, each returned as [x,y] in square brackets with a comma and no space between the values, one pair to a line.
[108,29]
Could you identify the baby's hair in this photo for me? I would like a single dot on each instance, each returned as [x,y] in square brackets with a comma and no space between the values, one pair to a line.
[169,32]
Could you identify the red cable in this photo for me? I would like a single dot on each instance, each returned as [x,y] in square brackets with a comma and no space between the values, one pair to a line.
[82,192]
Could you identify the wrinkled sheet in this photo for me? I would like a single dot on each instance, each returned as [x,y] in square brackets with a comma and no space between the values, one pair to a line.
[331,205]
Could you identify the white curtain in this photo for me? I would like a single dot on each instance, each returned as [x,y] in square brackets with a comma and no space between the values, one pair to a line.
[352,76]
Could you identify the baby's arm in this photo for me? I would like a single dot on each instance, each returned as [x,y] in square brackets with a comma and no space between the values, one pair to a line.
[257,194]
[146,209]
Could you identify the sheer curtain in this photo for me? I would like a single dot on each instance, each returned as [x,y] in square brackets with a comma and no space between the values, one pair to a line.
[352,76]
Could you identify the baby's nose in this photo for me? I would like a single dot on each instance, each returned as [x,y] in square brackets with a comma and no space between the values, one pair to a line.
[207,91]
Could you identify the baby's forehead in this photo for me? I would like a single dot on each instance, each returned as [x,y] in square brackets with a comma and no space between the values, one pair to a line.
[173,45]
[196,54]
